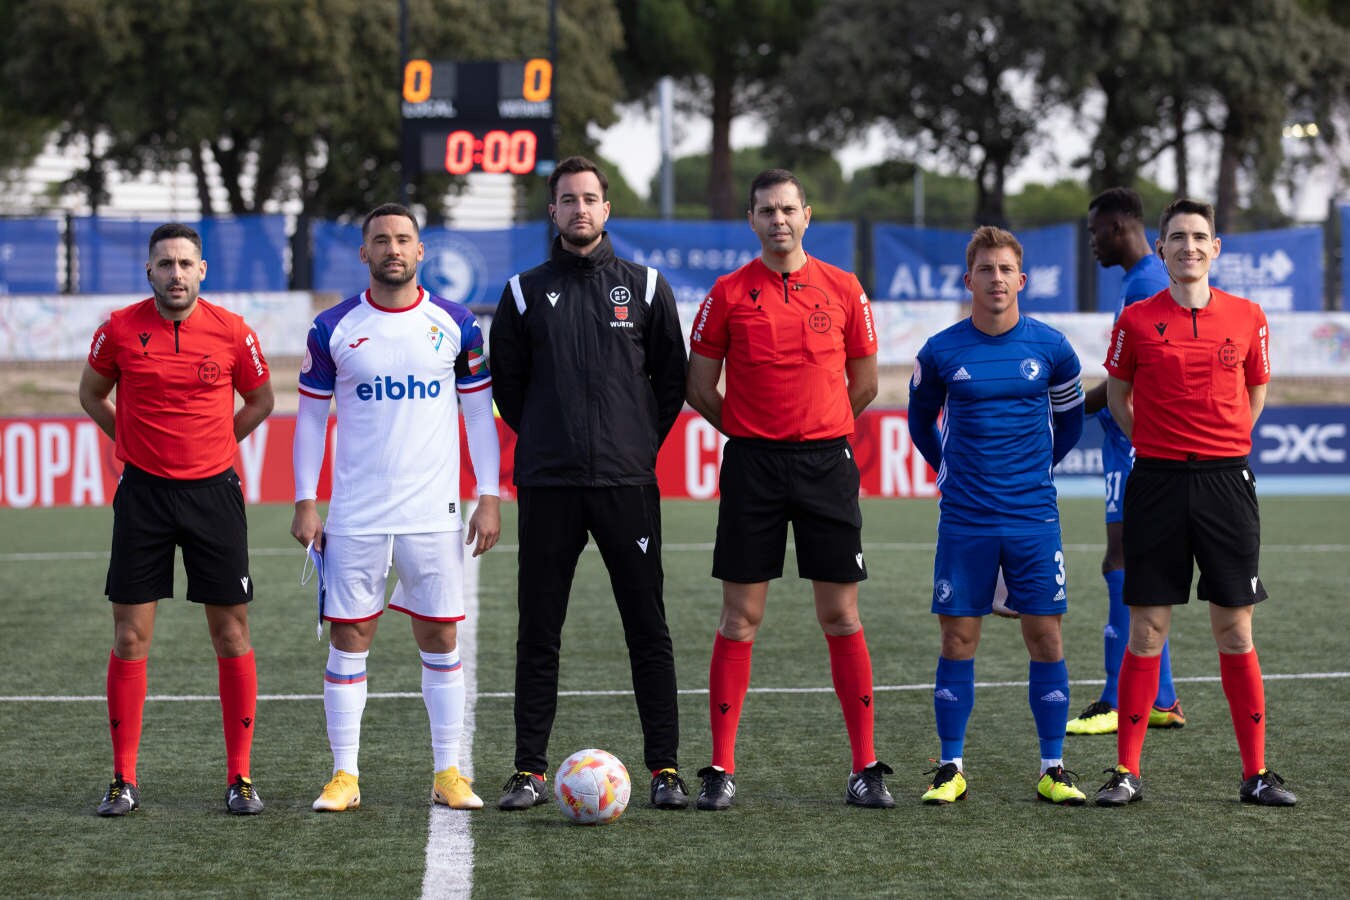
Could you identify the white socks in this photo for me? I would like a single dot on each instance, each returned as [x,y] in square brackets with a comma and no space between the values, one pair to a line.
[443,694]
[344,700]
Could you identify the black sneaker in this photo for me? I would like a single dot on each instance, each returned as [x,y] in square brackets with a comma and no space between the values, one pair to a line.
[121,798]
[718,789]
[1266,789]
[1121,788]
[241,798]
[668,790]
[523,790]
[868,788]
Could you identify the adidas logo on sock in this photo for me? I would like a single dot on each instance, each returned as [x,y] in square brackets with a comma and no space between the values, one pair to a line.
[1055,696]
[961,375]
[945,695]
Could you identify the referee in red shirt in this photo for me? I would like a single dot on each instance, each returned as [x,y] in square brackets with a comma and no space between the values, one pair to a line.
[800,350]
[1187,371]
[177,361]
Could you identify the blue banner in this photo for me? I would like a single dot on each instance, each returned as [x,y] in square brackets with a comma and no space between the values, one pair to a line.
[1281,270]
[29,256]
[469,267]
[1345,256]
[1288,440]
[692,255]
[242,254]
[929,264]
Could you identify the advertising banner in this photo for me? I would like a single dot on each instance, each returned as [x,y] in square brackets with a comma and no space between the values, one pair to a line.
[469,267]
[245,253]
[67,461]
[1282,270]
[692,255]
[929,264]
[29,256]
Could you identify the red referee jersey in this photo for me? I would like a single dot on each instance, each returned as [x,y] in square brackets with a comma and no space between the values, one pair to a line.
[785,339]
[1190,369]
[175,385]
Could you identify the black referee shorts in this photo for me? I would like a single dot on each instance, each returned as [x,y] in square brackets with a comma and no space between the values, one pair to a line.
[205,516]
[767,484]
[1182,513]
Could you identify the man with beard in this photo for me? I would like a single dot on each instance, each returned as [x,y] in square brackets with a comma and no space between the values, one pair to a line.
[589,365]
[177,361]
[394,358]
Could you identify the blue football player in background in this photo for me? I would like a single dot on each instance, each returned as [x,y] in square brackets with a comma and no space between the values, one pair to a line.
[1116,234]
[1011,396]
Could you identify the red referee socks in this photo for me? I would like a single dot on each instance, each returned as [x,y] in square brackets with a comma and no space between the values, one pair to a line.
[728,680]
[851,671]
[126,703]
[1138,688]
[238,706]
[1246,693]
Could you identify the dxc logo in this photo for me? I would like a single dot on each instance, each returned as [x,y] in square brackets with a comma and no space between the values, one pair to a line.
[383,387]
[1296,443]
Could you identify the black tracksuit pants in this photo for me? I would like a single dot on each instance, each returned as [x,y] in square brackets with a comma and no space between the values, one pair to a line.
[626,525]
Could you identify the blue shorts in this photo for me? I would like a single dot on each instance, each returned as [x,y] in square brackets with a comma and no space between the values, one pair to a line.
[966,569]
[1117,461]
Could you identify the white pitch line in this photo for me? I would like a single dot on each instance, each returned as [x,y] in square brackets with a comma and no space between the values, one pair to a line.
[506,695]
[449,866]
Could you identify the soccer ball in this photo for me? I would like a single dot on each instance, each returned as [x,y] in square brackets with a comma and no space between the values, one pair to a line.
[592,787]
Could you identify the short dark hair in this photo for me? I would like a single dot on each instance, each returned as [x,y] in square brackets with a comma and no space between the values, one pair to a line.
[1122,200]
[389,209]
[1184,206]
[988,237]
[171,230]
[571,166]
[770,177]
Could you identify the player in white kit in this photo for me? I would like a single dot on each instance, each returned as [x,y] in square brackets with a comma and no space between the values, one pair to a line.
[400,363]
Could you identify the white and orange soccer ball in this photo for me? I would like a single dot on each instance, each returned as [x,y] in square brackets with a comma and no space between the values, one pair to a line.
[592,787]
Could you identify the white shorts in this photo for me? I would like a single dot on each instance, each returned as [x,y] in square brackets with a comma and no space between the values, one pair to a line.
[429,566]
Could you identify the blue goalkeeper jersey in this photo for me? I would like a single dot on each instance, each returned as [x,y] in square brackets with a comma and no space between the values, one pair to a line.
[999,397]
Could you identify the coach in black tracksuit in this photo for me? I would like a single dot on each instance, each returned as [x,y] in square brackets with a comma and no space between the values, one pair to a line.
[588,366]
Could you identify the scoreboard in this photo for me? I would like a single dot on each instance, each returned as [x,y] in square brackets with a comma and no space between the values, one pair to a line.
[461,117]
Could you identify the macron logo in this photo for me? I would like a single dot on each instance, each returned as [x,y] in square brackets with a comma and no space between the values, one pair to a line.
[857,557]
[1253,584]
[961,375]
[243,582]
[553,297]
[1055,696]
[642,543]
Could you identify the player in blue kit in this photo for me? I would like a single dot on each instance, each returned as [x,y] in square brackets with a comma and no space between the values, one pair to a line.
[1011,396]
[1116,234]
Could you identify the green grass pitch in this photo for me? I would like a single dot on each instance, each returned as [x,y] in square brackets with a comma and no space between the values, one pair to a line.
[790,834]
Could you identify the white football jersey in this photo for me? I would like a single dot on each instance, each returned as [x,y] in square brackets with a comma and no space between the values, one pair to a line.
[394,375]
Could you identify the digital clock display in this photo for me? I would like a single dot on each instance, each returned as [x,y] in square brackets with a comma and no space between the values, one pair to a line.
[478,117]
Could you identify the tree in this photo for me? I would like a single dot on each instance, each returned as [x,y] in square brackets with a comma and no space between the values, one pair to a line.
[727,54]
[822,179]
[292,101]
[970,82]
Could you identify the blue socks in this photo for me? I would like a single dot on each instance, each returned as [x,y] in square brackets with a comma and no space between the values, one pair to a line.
[1048,694]
[953,699]
[1116,634]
